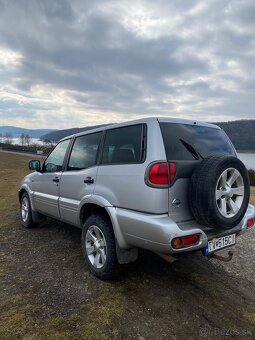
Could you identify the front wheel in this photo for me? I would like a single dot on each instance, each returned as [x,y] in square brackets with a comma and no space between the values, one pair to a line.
[26,212]
[98,246]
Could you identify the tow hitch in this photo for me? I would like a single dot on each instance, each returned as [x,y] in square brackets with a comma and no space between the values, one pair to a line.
[222,258]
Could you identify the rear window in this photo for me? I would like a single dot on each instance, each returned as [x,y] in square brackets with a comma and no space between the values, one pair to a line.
[189,142]
[123,145]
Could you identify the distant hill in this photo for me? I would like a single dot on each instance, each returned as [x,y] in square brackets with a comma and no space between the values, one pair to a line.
[55,136]
[16,131]
[241,133]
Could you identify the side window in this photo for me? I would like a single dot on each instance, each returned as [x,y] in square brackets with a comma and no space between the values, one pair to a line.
[84,152]
[123,145]
[54,162]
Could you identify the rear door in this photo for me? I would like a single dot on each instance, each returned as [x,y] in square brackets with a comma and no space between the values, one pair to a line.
[186,145]
[118,178]
[121,173]
[79,178]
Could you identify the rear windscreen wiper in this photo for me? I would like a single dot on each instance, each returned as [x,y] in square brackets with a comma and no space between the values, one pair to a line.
[192,150]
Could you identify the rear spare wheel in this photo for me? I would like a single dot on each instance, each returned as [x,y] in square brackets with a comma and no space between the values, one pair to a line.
[219,191]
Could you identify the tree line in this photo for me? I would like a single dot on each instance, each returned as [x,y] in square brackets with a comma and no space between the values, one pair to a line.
[7,142]
[7,138]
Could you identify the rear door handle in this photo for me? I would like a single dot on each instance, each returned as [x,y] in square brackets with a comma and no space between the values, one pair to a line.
[56,180]
[89,180]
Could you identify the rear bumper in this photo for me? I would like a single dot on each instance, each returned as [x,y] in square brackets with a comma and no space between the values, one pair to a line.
[155,232]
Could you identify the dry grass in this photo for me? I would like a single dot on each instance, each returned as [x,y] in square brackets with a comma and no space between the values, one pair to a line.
[20,313]
[252,198]
[12,169]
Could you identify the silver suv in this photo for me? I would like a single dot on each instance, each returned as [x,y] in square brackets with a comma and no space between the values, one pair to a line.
[167,185]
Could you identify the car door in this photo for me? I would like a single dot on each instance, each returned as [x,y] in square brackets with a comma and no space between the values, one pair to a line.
[47,182]
[120,178]
[78,179]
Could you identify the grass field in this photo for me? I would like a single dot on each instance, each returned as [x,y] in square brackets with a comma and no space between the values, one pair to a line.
[34,305]
[19,309]
[12,169]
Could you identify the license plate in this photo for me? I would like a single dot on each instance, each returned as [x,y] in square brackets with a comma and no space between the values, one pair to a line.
[219,243]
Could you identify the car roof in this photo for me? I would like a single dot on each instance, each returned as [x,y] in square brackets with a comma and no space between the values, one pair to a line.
[143,120]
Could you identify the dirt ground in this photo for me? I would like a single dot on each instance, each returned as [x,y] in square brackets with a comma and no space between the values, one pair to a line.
[47,291]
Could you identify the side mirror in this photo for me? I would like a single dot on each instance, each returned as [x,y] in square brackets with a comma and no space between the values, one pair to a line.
[34,165]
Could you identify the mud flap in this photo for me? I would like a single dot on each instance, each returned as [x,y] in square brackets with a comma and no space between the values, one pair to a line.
[126,255]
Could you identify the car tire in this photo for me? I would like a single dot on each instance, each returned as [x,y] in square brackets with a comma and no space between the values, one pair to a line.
[26,212]
[219,191]
[98,246]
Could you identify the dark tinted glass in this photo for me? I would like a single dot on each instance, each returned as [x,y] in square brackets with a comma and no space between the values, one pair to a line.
[55,160]
[84,152]
[186,142]
[123,145]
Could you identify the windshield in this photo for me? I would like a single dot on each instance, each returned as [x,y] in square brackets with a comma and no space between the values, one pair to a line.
[189,142]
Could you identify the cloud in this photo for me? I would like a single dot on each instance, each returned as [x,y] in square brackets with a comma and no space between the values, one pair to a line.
[96,61]
[57,9]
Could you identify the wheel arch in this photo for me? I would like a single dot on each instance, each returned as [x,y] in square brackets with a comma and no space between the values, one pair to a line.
[21,192]
[89,209]
[125,253]
[25,188]
[37,217]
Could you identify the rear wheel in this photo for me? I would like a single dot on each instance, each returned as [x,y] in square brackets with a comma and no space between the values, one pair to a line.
[219,191]
[98,245]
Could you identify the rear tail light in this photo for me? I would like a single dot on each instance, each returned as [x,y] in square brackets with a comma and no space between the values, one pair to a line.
[172,172]
[250,223]
[161,174]
[185,241]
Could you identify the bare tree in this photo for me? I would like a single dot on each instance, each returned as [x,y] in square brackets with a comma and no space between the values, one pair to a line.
[46,141]
[22,139]
[1,138]
[27,139]
[8,139]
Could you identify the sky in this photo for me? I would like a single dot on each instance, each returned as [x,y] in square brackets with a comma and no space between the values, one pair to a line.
[77,63]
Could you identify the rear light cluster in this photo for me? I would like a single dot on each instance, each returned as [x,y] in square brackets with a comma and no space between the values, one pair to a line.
[250,223]
[161,174]
[185,241]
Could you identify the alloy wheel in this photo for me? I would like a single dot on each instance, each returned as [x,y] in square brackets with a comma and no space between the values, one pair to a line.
[96,247]
[229,192]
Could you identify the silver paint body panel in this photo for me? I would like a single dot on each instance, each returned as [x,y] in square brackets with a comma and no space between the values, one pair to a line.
[46,193]
[141,216]
[72,191]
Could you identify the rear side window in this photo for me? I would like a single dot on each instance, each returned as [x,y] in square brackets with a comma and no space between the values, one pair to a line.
[84,152]
[189,142]
[123,145]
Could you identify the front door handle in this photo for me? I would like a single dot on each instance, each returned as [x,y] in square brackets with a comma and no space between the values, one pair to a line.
[89,180]
[56,180]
